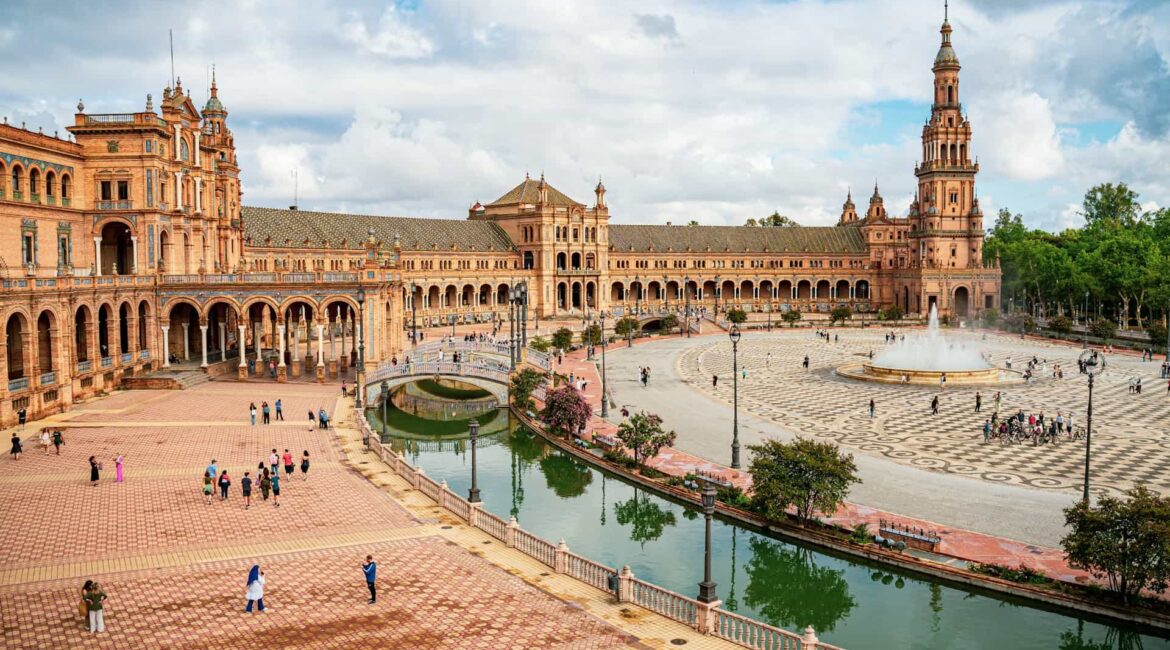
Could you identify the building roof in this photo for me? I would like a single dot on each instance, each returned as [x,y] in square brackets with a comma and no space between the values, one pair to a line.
[292,228]
[529,190]
[774,239]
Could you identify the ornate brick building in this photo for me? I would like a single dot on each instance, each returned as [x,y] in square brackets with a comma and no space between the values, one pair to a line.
[126,248]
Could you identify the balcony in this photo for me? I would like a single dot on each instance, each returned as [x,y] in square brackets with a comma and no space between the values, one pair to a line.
[107,362]
[110,118]
[48,378]
[578,272]
[35,198]
[50,200]
[127,358]
[113,205]
[144,354]
[84,366]
[67,202]
[17,195]
[15,385]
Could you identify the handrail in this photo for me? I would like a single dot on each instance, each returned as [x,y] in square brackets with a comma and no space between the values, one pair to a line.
[663,601]
[753,634]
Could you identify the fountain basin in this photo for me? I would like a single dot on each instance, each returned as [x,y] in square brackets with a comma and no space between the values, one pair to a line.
[990,376]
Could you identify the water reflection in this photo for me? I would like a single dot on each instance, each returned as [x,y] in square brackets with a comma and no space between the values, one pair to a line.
[566,477]
[647,519]
[788,588]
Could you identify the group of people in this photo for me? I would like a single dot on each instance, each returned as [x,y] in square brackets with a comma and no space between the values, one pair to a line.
[829,338]
[1020,427]
[268,478]
[266,411]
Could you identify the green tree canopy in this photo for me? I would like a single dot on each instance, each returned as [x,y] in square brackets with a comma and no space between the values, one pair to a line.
[643,435]
[774,219]
[806,474]
[736,316]
[562,338]
[627,325]
[523,384]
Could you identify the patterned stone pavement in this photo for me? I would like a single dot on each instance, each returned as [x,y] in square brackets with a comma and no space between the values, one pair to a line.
[174,566]
[1130,440]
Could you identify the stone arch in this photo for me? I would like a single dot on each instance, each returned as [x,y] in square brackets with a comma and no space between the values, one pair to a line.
[842,289]
[18,339]
[467,296]
[105,316]
[126,312]
[767,288]
[746,290]
[575,296]
[17,179]
[862,290]
[562,295]
[502,295]
[34,181]
[485,294]
[961,301]
[591,295]
[562,261]
[66,187]
[143,320]
[784,289]
[575,261]
[617,292]
[824,289]
[433,297]
[50,183]
[46,341]
[654,290]
[117,249]
[82,322]
[804,290]
[450,296]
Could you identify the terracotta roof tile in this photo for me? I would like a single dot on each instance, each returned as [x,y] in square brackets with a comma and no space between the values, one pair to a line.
[774,239]
[292,228]
[528,191]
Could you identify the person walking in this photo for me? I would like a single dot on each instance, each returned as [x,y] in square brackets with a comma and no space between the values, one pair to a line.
[312,420]
[265,412]
[95,600]
[118,468]
[287,459]
[207,489]
[934,405]
[323,419]
[224,483]
[22,417]
[986,430]
[45,440]
[370,569]
[714,381]
[871,407]
[17,447]
[265,484]
[58,440]
[83,604]
[805,364]
[305,465]
[255,593]
[213,470]
[279,410]
[274,462]
[252,413]
[95,469]
[246,490]
[276,489]
[978,401]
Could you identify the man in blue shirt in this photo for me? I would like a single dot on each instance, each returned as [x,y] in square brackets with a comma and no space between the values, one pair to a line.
[213,470]
[370,568]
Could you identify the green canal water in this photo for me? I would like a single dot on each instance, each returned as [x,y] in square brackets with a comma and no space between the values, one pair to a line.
[851,604]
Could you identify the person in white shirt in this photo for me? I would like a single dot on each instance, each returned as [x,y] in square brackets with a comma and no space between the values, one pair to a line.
[255,594]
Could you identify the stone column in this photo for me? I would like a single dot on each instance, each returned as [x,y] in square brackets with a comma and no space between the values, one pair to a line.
[186,342]
[203,335]
[134,254]
[223,341]
[320,353]
[257,334]
[166,351]
[243,344]
[281,368]
[97,255]
[296,359]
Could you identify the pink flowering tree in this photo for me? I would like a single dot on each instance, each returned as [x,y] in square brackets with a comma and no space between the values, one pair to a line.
[565,411]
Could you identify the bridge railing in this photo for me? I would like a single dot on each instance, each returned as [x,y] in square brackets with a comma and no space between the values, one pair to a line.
[427,368]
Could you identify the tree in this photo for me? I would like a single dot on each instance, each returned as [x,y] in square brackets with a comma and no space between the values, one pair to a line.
[792,317]
[591,335]
[669,322]
[523,384]
[806,474]
[1108,205]
[840,313]
[893,312]
[736,316]
[1157,332]
[1127,542]
[990,317]
[565,411]
[774,219]
[643,435]
[540,344]
[1103,328]
[626,325]
[692,222]
[562,339]
[1060,324]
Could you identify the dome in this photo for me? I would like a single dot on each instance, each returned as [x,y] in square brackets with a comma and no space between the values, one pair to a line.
[214,106]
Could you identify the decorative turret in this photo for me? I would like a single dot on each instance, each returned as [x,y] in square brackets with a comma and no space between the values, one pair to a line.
[600,192]
[213,105]
[542,191]
[877,207]
[848,211]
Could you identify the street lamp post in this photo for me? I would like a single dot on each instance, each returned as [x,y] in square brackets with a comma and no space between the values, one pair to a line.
[707,586]
[1094,364]
[687,309]
[1085,317]
[473,429]
[413,315]
[361,360]
[385,392]
[522,308]
[604,394]
[718,290]
[512,327]
[734,335]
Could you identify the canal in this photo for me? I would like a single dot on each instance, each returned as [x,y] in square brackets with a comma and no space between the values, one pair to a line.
[851,604]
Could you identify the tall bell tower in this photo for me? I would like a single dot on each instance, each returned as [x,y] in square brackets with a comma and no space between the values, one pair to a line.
[948,224]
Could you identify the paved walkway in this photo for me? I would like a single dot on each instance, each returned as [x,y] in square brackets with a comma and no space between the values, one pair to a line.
[174,566]
[978,520]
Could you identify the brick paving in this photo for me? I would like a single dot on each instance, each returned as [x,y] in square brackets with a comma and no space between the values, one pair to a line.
[174,566]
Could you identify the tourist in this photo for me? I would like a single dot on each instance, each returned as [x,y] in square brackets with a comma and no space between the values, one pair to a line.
[83,604]
[370,569]
[274,462]
[58,440]
[265,413]
[806,362]
[312,420]
[343,381]
[942,380]
[246,490]
[94,600]
[207,489]
[118,468]
[986,431]
[276,489]
[95,469]
[265,484]
[255,593]
[934,405]
[252,412]
[288,463]
[17,447]
[714,381]
[279,411]
[45,440]
[213,470]
[305,465]
[22,417]
[768,360]
[323,419]
[871,407]
[225,482]
[272,368]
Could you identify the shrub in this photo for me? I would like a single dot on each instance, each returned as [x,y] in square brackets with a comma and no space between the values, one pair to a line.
[565,410]
[990,317]
[643,435]
[859,534]
[562,338]
[893,312]
[540,344]
[736,316]
[792,317]
[1157,332]
[1060,324]
[523,384]
[840,313]
[1020,574]
[627,325]
[1103,328]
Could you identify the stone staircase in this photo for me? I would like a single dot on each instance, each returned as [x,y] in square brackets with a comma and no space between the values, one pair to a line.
[167,380]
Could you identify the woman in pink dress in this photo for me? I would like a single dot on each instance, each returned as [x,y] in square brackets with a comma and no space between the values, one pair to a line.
[118,468]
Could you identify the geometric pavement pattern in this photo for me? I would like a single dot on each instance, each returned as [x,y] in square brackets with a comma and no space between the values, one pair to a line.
[174,566]
[1131,433]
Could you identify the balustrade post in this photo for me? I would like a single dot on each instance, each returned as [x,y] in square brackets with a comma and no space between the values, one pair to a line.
[559,559]
[626,584]
[473,513]
[418,474]
[705,617]
[809,641]
[510,533]
[443,491]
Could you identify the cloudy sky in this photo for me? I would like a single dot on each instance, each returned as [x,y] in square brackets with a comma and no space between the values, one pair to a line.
[715,111]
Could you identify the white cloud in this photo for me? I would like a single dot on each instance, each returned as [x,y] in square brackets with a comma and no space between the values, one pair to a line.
[392,37]
[1019,137]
